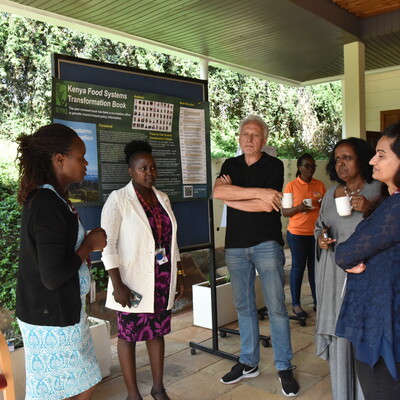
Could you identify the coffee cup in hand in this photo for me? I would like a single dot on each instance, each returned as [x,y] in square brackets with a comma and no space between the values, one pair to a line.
[308,202]
[343,206]
[287,200]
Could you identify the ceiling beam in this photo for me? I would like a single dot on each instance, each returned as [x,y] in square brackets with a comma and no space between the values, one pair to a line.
[333,14]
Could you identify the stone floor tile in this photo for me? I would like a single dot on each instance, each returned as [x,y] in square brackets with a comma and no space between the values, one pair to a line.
[309,363]
[195,362]
[184,321]
[320,391]
[219,368]
[201,386]
[190,334]
[247,392]
[229,345]
[301,340]
[114,389]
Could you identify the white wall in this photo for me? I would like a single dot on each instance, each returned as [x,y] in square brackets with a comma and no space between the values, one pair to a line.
[382,93]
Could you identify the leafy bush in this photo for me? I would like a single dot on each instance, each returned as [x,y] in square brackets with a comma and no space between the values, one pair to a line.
[10,215]
[100,275]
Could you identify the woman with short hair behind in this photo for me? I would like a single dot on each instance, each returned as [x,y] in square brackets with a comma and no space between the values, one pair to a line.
[348,166]
[53,275]
[370,313]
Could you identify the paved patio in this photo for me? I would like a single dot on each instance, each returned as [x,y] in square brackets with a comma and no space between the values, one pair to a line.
[196,377]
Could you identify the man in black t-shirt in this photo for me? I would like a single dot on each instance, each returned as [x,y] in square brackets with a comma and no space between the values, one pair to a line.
[250,185]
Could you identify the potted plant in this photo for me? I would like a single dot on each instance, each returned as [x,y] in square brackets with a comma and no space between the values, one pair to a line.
[100,331]
[225,306]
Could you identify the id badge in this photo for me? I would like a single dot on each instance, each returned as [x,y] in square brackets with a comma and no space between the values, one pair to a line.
[92,291]
[161,257]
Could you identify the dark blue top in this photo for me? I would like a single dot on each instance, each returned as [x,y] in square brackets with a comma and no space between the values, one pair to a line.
[370,313]
[247,229]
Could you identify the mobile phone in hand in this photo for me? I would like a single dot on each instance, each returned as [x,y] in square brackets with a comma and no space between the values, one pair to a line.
[136,299]
[327,235]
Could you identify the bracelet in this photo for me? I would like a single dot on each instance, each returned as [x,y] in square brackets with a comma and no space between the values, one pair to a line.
[181,272]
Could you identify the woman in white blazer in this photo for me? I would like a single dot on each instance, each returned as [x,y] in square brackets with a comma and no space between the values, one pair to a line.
[143,263]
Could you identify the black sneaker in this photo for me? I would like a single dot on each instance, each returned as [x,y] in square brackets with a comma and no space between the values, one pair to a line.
[290,387]
[238,372]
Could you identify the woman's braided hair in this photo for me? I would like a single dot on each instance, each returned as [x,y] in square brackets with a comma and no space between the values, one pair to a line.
[35,154]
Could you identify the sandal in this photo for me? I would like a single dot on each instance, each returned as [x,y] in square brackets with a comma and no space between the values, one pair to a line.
[159,392]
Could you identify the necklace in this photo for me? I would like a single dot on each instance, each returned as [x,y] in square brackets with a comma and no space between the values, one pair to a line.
[154,210]
[352,193]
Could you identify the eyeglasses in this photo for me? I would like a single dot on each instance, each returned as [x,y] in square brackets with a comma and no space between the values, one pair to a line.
[344,158]
[308,166]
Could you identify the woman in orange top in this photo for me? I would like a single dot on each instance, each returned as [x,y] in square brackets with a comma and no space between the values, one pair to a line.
[300,232]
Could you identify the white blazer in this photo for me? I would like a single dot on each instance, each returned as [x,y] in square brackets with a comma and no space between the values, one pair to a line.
[131,247]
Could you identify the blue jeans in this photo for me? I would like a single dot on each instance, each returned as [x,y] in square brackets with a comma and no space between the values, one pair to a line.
[303,254]
[267,259]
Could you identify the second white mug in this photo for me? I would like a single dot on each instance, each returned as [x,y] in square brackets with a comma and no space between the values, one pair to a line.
[308,202]
[287,200]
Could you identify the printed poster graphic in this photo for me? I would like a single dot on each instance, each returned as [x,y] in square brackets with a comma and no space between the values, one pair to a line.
[88,190]
[155,115]
[108,118]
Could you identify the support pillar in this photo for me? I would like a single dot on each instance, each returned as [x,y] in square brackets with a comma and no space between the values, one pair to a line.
[354,91]
[203,69]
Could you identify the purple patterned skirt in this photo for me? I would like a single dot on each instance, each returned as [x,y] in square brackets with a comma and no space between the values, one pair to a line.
[147,326]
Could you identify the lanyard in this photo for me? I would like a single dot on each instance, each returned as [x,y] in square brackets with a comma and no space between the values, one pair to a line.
[155,212]
[74,210]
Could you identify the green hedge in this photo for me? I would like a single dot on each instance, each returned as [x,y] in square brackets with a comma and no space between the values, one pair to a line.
[10,215]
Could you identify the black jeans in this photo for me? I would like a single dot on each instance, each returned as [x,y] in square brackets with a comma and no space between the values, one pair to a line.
[376,382]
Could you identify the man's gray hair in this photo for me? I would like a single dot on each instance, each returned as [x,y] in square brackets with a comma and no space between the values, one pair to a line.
[256,119]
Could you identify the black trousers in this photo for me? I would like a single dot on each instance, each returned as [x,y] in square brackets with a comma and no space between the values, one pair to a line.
[376,382]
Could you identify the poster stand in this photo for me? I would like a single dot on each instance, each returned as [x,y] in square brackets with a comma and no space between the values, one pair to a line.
[188,213]
[214,349]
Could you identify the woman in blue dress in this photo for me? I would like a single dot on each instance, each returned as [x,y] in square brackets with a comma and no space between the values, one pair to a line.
[53,274]
[370,313]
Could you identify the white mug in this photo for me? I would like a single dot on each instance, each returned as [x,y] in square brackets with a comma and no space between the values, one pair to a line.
[343,206]
[307,202]
[287,200]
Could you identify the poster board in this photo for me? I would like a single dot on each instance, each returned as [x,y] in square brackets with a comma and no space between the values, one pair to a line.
[151,106]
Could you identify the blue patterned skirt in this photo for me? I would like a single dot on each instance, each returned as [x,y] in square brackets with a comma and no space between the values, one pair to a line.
[60,361]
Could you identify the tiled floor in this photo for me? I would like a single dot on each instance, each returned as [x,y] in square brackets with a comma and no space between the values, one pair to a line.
[196,377]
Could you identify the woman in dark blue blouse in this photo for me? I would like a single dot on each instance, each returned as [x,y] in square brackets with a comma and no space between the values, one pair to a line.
[370,313]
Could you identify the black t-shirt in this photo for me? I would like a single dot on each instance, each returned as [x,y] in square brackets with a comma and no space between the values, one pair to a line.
[246,229]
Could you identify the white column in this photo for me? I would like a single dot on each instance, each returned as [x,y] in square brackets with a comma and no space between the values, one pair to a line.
[203,69]
[354,90]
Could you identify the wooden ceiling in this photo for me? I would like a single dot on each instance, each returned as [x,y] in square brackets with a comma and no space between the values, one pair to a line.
[368,8]
[290,41]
